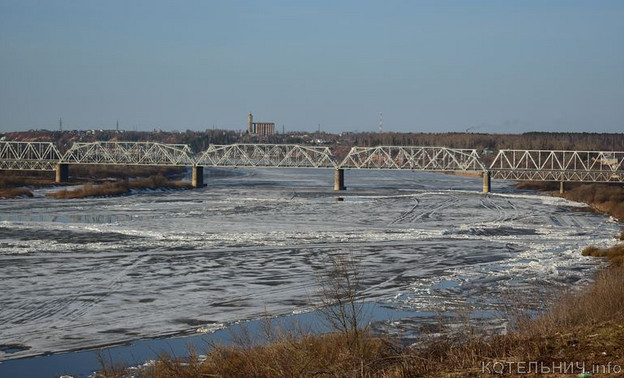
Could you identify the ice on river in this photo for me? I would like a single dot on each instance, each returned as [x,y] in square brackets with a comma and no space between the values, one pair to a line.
[82,273]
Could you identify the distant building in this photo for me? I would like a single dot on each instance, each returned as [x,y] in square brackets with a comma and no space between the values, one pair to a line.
[259,128]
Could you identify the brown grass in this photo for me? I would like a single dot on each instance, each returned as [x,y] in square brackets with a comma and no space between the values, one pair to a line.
[615,254]
[542,186]
[606,198]
[82,173]
[12,179]
[585,327]
[93,172]
[117,188]
[324,356]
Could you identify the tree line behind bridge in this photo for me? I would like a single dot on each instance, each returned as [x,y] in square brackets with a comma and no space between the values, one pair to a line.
[200,140]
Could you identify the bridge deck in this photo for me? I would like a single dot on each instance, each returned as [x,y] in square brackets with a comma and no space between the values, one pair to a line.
[533,165]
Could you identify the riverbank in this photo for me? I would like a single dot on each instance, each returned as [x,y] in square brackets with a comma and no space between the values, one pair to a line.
[605,198]
[582,332]
[97,181]
[118,188]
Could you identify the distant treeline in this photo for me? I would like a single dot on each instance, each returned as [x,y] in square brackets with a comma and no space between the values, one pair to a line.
[533,141]
[200,140]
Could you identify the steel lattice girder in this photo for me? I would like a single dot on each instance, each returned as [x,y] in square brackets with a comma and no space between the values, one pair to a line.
[28,156]
[576,176]
[546,165]
[439,159]
[267,155]
[129,153]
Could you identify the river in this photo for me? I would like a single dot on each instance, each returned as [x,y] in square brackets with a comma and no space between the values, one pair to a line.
[78,274]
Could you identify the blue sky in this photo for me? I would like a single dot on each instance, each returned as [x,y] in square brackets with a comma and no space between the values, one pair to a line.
[429,66]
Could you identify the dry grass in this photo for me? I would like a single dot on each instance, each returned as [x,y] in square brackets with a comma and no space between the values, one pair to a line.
[93,172]
[606,198]
[615,254]
[585,327]
[329,355]
[91,190]
[12,179]
[117,188]
[542,186]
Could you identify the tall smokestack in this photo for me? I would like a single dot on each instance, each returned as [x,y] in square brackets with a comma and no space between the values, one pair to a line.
[250,129]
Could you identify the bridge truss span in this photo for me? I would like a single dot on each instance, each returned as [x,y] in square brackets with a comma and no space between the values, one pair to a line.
[267,155]
[129,153]
[28,156]
[440,159]
[559,165]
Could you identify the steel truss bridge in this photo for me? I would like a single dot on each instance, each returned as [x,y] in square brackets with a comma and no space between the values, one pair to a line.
[522,165]
[541,165]
[267,155]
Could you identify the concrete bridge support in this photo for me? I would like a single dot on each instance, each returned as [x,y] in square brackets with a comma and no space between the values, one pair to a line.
[197,180]
[487,182]
[339,179]
[561,187]
[62,173]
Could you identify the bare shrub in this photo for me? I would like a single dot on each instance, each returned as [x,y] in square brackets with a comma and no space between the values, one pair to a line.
[339,295]
[108,368]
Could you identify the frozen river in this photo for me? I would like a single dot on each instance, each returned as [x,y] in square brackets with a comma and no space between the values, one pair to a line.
[83,273]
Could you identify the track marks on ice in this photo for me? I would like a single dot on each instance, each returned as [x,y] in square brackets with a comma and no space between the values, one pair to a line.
[426,211]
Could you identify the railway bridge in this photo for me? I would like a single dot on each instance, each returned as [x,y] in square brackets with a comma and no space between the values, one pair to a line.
[522,165]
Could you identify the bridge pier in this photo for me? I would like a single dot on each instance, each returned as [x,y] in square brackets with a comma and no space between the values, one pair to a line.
[561,187]
[197,180]
[487,182]
[339,179]
[62,173]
